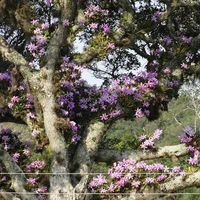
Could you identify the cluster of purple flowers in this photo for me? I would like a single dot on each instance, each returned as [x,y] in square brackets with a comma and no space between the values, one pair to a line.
[188,138]
[156,16]
[5,76]
[41,189]
[49,3]
[9,140]
[131,174]
[32,181]
[105,27]
[148,142]
[93,11]
[16,157]
[78,99]
[35,166]
[37,46]
[21,102]
[14,100]
[95,25]
[136,88]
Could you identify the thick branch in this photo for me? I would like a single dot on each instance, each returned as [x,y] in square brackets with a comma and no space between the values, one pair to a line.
[189,3]
[181,182]
[90,144]
[18,180]
[196,41]
[166,151]
[14,57]
[10,54]
[8,196]
[22,129]
[87,149]
[54,49]
[87,56]
[68,11]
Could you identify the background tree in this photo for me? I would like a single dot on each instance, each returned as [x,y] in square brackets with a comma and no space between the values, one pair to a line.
[62,119]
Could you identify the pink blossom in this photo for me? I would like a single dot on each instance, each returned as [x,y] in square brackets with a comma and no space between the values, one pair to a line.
[35,133]
[45,25]
[104,117]
[15,157]
[136,184]
[37,31]
[193,161]
[35,22]
[32,47]
[142,137]
[161,177]
[184,66]
[31,115]
[10,105]
[93,26]
[41,189]
[149,180]
[111,45]
[66,22]
[157,133]
[35,165]
[176,169]
[111,187]
[27,152]
[115,113]
[139,113]
[105,28]
[167,70]
[32,181]
[191,148]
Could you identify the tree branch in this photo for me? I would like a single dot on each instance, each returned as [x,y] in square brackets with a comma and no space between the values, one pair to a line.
[87,149]
[18,180]
[68,11]
[189,3]
[181,182]
[10,54]
[22,129]
[90,144]
[14,57]
[166,151]
[7,196]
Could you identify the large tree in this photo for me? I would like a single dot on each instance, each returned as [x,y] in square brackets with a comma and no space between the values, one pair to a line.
[61,118]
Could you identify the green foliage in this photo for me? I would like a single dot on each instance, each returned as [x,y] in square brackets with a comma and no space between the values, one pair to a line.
[45,155]
[123,134]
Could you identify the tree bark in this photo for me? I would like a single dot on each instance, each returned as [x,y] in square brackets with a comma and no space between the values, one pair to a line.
[166,151]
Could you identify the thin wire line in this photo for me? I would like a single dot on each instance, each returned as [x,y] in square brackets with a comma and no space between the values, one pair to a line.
[97,173]
[47,193]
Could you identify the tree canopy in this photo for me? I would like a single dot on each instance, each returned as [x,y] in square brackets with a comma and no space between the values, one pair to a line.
[53,121]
